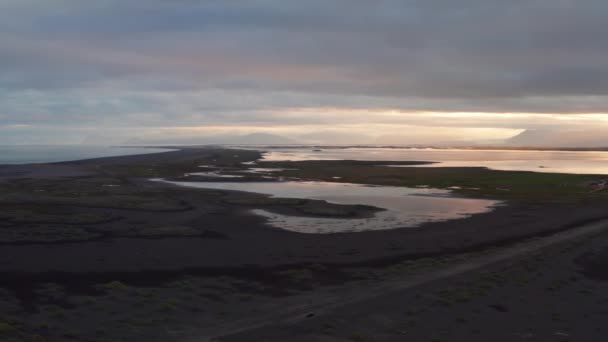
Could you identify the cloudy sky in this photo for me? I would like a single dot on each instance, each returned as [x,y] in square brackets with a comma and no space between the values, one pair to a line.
[373,71]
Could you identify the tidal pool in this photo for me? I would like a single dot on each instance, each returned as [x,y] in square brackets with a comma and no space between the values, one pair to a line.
[213,175]
[404,207]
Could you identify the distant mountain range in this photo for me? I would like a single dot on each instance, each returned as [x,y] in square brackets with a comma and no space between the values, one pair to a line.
[247,139]
[544,138]
[559,138]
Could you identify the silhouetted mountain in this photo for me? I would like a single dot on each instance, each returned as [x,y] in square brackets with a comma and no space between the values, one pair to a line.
[559,138]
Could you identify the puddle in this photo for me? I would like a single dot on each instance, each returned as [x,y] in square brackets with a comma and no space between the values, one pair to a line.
[213,175]
[265,170]
[405,207]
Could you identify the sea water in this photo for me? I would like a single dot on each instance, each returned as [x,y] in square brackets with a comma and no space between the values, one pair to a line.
[58,153]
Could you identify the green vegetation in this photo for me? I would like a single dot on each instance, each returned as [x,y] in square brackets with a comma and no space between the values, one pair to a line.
[6,327]
[470,181]
[115,286]
[169,305]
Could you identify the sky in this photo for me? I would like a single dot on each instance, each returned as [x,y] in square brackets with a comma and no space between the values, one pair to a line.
[319,71]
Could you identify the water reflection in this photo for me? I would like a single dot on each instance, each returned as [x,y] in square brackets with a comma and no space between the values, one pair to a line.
[405,207]
[26,154]
[213,175]
[585,162]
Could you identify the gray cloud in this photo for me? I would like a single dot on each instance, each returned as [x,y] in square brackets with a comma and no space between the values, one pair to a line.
[158,63]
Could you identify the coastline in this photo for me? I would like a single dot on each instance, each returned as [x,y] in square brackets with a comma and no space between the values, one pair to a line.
[234,239]
[82,239]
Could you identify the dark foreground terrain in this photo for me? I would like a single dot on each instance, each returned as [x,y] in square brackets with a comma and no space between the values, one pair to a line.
[95,251]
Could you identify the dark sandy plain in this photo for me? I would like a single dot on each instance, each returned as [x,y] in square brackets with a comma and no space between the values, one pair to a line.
[95,251]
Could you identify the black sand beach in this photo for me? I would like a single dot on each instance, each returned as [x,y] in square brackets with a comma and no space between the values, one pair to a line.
[77,236]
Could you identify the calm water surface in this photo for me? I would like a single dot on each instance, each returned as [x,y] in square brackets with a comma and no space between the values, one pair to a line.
[584,162]
[405,207]
[50,154]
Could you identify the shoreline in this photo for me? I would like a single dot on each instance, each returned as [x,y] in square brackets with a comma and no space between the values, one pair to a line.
[95,243]
[393,288]
[227,234]
[248,265]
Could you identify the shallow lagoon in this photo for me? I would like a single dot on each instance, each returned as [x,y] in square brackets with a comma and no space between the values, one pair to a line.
[583,162]
[405,207]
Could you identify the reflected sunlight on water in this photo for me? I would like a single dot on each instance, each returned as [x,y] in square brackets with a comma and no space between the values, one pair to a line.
[587,162]
[405,207]
[27,154]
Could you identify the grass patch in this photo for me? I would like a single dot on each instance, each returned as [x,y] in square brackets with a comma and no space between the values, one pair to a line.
[115,286]
[6,327]
[473,181]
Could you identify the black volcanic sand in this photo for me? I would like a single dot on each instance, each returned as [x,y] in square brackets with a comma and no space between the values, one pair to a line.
[556,294]
[94,251]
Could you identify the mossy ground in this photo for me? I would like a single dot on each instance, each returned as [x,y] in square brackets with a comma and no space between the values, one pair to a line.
[469,181]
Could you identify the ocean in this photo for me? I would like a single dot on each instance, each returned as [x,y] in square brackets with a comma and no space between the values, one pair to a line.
[57,153]
[581,162]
